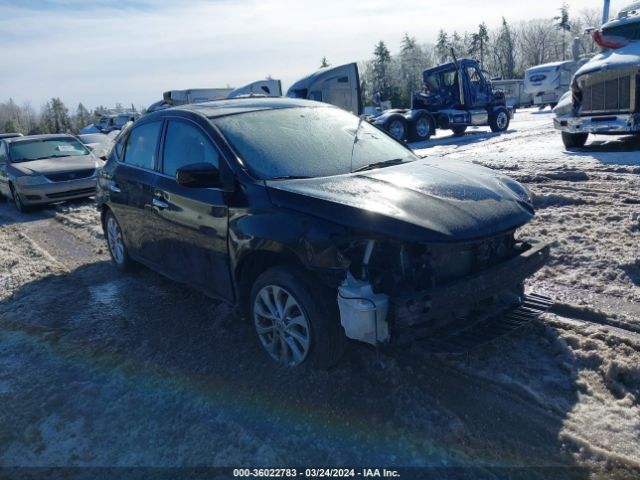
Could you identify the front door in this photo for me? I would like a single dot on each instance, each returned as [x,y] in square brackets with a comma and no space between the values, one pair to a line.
[190,224]
[479,89]
[4,174]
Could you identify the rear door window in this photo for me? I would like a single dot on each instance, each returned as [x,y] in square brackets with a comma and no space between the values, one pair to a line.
[142,145]
[185,144]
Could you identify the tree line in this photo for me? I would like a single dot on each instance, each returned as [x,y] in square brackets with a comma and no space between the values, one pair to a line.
[53,117]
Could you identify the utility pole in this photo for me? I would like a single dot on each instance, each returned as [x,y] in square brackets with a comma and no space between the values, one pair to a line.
[605,12]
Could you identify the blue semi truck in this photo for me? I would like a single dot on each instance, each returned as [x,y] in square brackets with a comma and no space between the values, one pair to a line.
[455,96]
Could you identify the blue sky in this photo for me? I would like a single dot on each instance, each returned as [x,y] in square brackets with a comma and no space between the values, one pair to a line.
[130,51]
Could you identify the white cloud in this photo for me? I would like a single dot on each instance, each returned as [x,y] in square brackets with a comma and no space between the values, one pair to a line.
[100,54]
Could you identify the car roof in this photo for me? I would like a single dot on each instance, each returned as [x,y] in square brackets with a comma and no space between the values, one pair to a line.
[221,108]
[37,137]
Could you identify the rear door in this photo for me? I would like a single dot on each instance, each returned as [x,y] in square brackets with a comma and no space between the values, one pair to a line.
[131,187]
[190,224]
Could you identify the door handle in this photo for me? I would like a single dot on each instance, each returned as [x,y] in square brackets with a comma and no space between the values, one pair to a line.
[114,188]
[159,203]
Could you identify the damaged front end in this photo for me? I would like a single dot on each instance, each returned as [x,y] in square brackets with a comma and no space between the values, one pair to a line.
[399,293]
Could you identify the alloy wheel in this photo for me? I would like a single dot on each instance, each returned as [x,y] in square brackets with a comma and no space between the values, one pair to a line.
[502,120]
[114,239]
[282,325]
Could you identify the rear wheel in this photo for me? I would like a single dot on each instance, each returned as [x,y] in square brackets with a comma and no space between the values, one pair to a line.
[574,140]
[296,319]
[421,129]
[459,130]
[115,241]
[397,128]
[499,120]
[17,199]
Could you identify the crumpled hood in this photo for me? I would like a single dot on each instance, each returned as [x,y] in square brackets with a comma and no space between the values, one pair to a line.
[56,165]
[620,58]
[425,200]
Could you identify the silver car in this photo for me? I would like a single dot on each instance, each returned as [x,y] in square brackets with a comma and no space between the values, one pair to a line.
[40,169]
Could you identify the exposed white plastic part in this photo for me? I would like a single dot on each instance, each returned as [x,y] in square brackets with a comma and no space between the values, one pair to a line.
[363,313]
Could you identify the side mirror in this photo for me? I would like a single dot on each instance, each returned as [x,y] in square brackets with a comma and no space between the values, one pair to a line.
[198,175]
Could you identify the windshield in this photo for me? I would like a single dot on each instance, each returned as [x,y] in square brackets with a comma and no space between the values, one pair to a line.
[105,121]
[307,142]
[122,119]
[30,150]
[630,31]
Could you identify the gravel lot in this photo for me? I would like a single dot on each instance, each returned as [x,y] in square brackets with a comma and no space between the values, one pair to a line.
[98,368]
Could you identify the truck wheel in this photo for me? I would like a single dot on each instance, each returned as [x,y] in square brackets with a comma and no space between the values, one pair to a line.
[574,140]
[459,130]
[296,319]
[115,241]
[499,120]
[397,127]
[422,129]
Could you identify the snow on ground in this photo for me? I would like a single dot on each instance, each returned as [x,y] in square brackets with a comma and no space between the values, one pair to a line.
[101,368]
[587,201]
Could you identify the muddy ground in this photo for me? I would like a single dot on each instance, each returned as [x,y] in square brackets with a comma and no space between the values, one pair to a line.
[99,368]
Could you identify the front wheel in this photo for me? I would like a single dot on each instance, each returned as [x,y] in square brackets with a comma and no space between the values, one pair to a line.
[115,241]
[17,199]
[296,319]
[499,120]
[574,140]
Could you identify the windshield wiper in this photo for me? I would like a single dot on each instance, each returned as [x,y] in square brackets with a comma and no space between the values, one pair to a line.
[290,177]
[386,163]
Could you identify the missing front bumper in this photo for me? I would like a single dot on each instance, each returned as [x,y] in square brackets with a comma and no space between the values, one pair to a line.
[462,341]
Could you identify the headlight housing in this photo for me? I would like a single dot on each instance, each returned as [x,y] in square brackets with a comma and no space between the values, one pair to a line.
[28,180]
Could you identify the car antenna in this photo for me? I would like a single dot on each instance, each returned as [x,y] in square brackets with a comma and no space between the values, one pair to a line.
[355,140]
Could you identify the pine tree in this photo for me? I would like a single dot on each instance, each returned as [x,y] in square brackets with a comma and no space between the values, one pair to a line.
[563,25]
[442,47]
[411,65]
[479,41]
[55,117]
[381,62]
[505,51]
[82,117]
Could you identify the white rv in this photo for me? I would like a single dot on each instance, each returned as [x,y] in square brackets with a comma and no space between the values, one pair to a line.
[547,83]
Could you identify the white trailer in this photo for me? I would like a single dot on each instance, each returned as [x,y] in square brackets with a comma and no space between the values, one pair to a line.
[548,82]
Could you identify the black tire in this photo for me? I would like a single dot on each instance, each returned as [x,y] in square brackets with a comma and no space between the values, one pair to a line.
[459,130]
[397,127]
[315,303]
[17,200]
[499,120]
[574,140]
[421,128]
[120,258]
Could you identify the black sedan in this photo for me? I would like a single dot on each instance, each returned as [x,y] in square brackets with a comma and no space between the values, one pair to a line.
[317,225]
